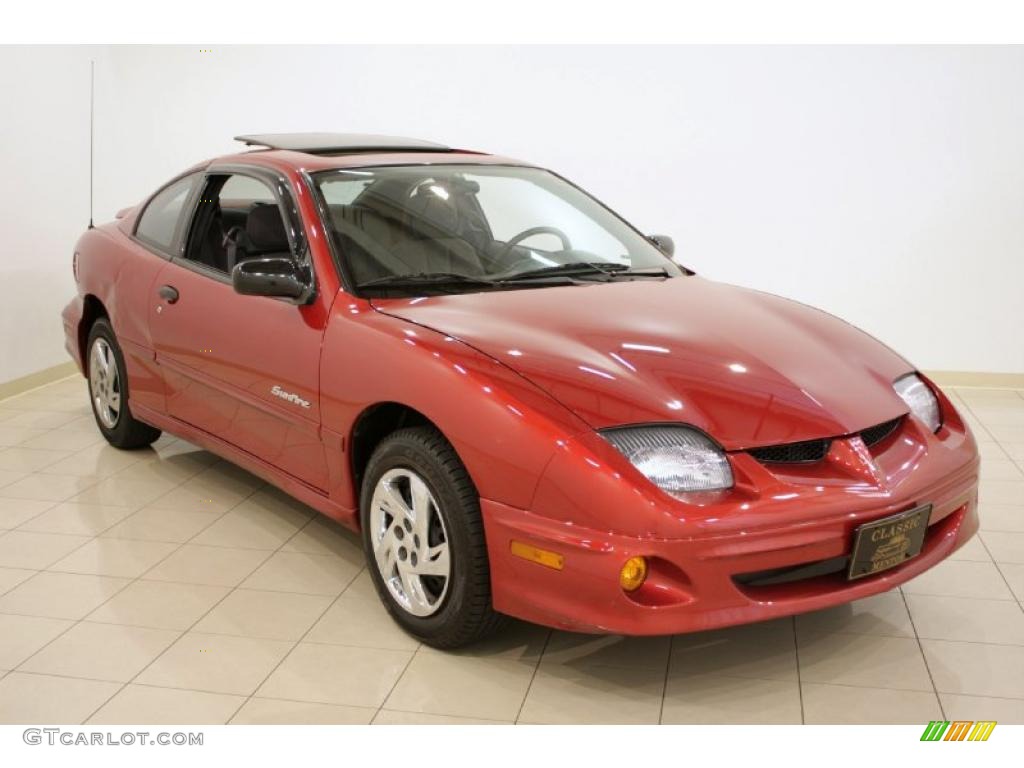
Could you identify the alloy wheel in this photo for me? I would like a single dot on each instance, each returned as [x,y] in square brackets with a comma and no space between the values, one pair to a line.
[410,543]
[104,383]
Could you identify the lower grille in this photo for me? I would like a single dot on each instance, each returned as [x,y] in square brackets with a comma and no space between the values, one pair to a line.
[792,573]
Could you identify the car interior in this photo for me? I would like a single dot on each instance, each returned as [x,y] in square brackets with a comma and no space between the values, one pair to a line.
[237,219]
[399,225]
[406,226]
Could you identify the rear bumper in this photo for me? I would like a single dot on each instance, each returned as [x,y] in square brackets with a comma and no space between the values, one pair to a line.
[72,319]
[692,584]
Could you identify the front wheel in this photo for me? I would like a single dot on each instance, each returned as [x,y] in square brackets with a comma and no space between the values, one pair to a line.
[108,391]
[424,539]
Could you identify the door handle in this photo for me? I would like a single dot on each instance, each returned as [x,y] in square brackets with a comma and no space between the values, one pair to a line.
[168,293]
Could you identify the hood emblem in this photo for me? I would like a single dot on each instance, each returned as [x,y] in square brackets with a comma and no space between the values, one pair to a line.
[291,397]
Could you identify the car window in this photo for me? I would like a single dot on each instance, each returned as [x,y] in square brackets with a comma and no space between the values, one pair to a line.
[345,189]
[245,189]
[237,218]
[158,225]
[484,222]
[514,205]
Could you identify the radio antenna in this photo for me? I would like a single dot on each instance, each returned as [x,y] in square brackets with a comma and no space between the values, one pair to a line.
[92,101]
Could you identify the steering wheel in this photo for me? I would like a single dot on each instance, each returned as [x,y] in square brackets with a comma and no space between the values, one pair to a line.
[527,233]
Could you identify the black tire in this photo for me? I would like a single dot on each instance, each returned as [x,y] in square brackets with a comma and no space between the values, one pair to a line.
[125,432]
[465,614]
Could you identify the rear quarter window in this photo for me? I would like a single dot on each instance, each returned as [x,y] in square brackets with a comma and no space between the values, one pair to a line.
[161,222]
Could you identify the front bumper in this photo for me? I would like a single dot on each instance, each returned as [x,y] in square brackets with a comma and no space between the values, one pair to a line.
[702,579]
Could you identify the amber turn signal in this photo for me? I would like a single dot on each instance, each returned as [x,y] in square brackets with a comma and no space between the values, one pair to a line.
[542,556]
[633,573]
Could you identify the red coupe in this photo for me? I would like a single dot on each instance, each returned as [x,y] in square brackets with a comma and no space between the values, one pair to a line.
[525,405]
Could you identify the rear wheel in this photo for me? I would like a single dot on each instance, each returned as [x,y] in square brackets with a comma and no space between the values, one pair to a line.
[424,539]
[108,391]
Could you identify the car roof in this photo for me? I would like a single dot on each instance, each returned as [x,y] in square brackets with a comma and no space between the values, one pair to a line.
[326,151]
[340,143]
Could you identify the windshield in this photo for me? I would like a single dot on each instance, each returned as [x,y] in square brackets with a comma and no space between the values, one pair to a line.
[471,226]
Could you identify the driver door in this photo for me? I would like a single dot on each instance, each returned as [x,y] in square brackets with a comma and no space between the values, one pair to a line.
[242,368]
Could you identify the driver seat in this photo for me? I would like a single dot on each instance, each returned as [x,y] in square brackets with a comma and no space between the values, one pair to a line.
[436,237]
[264,235]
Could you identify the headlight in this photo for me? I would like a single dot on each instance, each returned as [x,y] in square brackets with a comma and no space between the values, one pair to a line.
[677,459]
[920,399]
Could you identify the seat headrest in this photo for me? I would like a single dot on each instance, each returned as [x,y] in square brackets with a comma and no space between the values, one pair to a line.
[264,230]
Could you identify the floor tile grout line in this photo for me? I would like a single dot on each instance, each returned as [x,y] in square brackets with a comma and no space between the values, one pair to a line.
[1000,571]
[181,634]
[412,657]
[961,598]
[53,503]
[6,483]
[309,701]
[100,533]
[1019,465]
[533,676]
[308,629]
[799,677]
[243,696]
[924,656]
[71,453]
[225,597]
[122,685]
[74,623]
[975,419]
[622,666]
[50,568]
[832,683]
[295,644]
[95,536]
[487,720]
[190,583]
[148,570]
[987,431]
[191,541]
[664,684]
[19,583]
[191,629]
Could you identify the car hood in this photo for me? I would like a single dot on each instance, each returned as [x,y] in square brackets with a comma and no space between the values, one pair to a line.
[748,368]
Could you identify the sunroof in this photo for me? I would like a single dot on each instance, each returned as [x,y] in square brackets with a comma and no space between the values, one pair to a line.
[340,143]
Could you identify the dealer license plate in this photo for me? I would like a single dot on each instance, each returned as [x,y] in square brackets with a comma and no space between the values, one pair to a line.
[883,544]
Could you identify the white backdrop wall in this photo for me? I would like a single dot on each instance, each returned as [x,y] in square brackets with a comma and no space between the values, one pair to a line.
[885,185]
[44,198]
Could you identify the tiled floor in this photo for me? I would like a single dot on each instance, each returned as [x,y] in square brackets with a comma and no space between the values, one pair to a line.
[166,586]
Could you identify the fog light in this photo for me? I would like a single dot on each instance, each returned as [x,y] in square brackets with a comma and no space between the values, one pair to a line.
[633,573]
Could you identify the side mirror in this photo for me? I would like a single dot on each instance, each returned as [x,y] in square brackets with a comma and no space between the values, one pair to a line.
[273,276]
[664,243]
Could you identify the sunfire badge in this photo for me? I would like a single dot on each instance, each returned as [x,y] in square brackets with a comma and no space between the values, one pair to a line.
[291,397]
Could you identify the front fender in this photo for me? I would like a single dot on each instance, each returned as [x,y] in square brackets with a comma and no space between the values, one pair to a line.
[503,427]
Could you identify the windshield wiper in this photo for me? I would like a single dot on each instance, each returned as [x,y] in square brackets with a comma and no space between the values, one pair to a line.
[560,274]
[425,278]
[609,269]
[447,281]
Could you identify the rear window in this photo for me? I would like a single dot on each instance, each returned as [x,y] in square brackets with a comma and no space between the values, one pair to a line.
[160,223]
